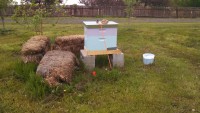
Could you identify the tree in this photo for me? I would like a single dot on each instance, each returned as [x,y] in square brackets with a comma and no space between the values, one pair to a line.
[129,7]
[102,2]
[155,2]
[34,14]
[3,5]
[44,2]
[186,3]
[193,3]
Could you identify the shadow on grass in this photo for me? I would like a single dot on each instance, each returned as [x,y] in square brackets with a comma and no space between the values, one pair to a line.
[6,31]
[101,61]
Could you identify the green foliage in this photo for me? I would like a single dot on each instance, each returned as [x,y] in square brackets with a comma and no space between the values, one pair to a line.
[37,20]
[129,7]
[21,14]
[46,2]
[24,12]
[36,87]
[22,70]
[58,9]
[193,3]
[34,14]
[155,2]
[3,5]
[5,31]
[186,3]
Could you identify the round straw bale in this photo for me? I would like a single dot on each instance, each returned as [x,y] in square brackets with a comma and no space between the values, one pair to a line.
[57,66]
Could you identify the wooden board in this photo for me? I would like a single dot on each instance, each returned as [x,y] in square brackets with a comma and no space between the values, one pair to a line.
[103,52]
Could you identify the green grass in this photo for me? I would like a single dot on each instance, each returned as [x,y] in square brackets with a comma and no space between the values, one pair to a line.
[171,85]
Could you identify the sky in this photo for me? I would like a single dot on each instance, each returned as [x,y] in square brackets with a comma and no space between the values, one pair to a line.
[69,2]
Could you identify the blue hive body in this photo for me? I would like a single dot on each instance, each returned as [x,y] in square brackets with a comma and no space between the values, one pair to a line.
[100,39]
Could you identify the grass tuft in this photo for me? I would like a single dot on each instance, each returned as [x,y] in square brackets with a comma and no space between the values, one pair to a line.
[22,71]
[36,88]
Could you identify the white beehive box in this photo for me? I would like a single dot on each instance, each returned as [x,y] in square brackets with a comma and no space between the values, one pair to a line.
[100,39]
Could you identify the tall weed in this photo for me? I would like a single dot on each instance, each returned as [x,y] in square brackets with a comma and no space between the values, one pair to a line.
[36,87]
[22,71]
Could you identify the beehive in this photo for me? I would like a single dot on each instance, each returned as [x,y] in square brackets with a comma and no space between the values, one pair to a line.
[100,37]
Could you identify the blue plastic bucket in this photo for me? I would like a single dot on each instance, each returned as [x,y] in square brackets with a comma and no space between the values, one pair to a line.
[148,58]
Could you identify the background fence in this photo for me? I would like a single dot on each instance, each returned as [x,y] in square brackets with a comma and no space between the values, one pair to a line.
[119,11]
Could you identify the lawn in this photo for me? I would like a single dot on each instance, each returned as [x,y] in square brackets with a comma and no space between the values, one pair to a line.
[171,85]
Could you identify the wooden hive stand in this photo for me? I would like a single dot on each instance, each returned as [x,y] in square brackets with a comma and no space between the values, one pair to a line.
[88,57]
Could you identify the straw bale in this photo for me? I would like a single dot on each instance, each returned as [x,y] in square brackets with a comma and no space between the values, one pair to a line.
[73,43]
[73,48]
[70,40]
[37,44]
[32,58]
[57,66]
[35,48]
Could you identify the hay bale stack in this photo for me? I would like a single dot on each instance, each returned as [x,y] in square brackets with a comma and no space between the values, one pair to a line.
[57,66]
[73,43]
[35,48]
